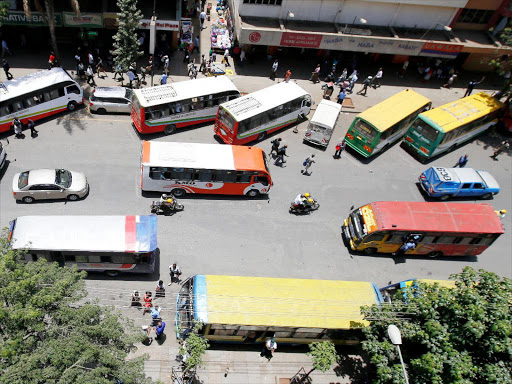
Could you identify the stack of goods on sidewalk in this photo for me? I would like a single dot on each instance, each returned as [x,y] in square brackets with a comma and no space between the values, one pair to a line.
[221,37]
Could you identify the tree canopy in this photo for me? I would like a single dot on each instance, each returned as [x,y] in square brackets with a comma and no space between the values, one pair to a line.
[461,335]
[49,333]
[126,46]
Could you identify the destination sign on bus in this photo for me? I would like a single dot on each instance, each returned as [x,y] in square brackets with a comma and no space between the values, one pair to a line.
[369,218]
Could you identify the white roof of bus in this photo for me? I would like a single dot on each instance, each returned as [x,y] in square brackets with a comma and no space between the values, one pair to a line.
[77,233]
[190,155]
[183,90]
[32,82]
[326,113]
[262,100]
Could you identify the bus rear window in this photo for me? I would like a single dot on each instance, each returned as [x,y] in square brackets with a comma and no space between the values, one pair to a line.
[226,119]
[364,129]
[428,132]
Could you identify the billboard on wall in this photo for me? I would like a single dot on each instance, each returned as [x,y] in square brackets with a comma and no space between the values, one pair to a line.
[35,19]
[441,49]
[90,20]
[161,25]
[372,45]
[300,40]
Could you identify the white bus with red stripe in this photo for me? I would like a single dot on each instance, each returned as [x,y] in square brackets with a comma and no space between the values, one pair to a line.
[110,244]
[254,116]
[167,107]
[38,95]
[182,168]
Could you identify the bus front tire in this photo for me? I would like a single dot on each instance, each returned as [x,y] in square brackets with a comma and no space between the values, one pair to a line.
[169,130]
[178,192]
[252,193]
[434,254]
[262,136]
[370,251]
[28,200]
[72,106]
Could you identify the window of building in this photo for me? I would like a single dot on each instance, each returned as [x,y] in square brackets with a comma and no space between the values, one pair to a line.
[475,16]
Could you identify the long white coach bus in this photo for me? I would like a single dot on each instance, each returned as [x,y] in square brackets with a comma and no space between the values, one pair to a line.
[254,116]
[182,168]
[38,95]
[167,107]
[110,244]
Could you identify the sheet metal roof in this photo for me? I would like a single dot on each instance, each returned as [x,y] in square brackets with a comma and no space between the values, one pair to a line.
[280,302]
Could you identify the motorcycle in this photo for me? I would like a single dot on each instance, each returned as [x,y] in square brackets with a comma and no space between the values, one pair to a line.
[164,208]
[303,209]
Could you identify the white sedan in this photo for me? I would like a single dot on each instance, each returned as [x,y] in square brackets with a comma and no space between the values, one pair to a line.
[45,184]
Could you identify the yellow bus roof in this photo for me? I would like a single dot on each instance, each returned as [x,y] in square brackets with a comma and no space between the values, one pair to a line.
[395,108]
[280,302]
[462,111]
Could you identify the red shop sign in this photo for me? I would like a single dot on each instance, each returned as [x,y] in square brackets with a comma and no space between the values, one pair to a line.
[441,47]
[302,40]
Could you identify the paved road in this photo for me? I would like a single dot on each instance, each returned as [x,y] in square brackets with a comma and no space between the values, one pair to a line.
[240,236]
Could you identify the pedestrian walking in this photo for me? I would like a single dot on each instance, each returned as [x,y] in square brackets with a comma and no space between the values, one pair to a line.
[7,67]
[159,330]
[90,76]
[118,71]
[51,60]
[341,96]
[5,49]
[163,79]
[149,67]
[269,348]
[273,71]
[196,44]
[450,81]
[202,18]
[307,163]
[471,86]
[407,246]
[81,71]
[202,67]
[275,146]
[90,60]
[461,163]
[167,61]
[192,71]
[340,147]
[281,153]
[186,57]
[342,77]
[214,57]
[504,146]
[328,90]
[31,125]
[352,80]
[404,68]
[18,128]
[376,79]
[78,60]
[366,84]
[100,68]
[132,76]
[315,74]
[226,57]
[287,76]
[175,273]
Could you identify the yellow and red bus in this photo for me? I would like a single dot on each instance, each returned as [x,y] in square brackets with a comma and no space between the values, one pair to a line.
[167,107]
[38,95]
[182,168]
[253,116]
[450,229]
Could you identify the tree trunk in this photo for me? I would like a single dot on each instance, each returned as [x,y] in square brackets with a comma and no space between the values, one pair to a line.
[50,13]
[303,380]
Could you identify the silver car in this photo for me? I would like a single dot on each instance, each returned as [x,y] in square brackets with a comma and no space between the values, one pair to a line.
[111,99]
[45,184]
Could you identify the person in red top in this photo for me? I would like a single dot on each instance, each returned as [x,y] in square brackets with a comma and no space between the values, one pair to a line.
[148,302]
[51,60]
[287,76]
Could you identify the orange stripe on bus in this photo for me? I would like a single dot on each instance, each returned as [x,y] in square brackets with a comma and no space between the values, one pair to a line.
[146,145]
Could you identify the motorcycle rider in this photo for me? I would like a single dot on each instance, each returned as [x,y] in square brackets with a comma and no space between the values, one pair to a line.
[301,200]
[167,202]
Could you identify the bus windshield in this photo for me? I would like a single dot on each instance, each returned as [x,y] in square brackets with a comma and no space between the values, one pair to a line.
[427,131]
[226,119]
[366,130]
[358,227]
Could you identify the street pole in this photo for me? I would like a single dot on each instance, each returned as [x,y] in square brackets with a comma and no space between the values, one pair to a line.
[403,365]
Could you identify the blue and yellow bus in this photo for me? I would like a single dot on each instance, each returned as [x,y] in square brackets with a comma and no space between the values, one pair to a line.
[294,311]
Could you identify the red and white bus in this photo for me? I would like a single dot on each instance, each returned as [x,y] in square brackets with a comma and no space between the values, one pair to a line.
[167,107]
[38,95]
[254,116]
[182,168]
[450,229]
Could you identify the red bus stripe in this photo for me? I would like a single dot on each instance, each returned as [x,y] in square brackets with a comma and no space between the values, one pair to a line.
[130,233]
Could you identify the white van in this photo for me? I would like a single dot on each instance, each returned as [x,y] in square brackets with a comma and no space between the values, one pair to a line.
[323,122]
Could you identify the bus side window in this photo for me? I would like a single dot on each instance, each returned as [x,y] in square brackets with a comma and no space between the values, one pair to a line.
[487,240]
[72,89]
[396,238]
[70,258]
[181,174]
[264,119]
[17,106]
[446,239]
[229,177]
[210,101]
[105,259]
[254,122]
[5,110]
[243,177]
[261,179]
[430,239]
[164,110]
[205,175]
[54,93]
[375,237]
[244,125]
[186,107]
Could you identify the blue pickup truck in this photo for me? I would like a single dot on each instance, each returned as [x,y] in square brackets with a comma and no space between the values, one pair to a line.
[444,183]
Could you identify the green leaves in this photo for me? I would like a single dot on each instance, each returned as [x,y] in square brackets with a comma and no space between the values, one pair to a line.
[126,46]
[323,355]
[461,335]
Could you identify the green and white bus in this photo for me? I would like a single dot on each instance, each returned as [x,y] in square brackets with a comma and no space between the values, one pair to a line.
[443,128]
[381,125]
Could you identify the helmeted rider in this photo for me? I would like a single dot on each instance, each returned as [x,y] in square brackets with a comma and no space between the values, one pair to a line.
[168,201]
[301,200]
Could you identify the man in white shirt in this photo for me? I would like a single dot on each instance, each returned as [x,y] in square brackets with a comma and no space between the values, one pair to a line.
[376,78]
[274,70]
[175,273]
[202,17]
